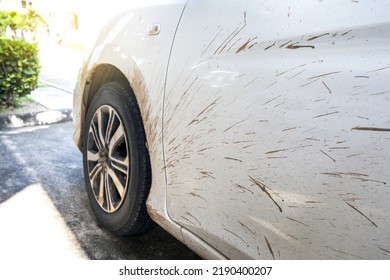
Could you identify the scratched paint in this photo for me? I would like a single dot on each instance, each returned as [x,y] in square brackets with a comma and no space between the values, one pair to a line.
[276,135]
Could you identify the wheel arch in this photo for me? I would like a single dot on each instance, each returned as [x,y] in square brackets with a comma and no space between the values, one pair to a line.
[99,76]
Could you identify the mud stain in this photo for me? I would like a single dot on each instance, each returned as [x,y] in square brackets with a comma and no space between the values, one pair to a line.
[384,250]
[270,46]
[230,127]
[316,37]
[380,69]
[295,46]
[234,159]
[230,37]
[269,247]
[328,156]
[235,235]
[188,213]
[326,87]
[264,189]
[323,75]
[286,149]
[379,129]
[324,115]
[197,195]
[244,46]
[291,219]
[246,228]
[243,188]
[357,210]
[212,41]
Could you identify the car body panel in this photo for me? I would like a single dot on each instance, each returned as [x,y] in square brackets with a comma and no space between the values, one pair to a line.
[125,43]
[269,133]
[276,128]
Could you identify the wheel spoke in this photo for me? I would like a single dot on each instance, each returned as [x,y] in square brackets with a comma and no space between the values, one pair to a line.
[94,131]
[110,124]
[110,206]
[120,165]
[116,138]
[96,170]
[118,185]
[91,156]
[100,197]
[100,127]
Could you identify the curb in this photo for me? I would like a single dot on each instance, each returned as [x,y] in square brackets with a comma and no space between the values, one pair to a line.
[35,118]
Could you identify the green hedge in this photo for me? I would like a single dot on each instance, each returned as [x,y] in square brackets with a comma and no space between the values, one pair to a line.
[19,69]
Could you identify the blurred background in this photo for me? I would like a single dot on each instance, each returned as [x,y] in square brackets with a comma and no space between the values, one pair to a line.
[65,31]
[68,32]
[72,23]
[44,209]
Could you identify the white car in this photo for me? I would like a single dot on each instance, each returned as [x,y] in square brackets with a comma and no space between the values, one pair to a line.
[246,129]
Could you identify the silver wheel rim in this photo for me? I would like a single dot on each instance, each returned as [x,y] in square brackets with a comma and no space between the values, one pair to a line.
[108,159]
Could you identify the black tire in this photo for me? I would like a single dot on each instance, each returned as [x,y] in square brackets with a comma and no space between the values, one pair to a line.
[116,161]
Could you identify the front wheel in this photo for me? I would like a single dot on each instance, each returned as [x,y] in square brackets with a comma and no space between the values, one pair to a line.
[116,161]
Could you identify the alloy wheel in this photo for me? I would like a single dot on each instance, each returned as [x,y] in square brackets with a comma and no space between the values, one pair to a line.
[108,158]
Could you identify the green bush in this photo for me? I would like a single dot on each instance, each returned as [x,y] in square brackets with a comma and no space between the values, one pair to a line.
[19,69]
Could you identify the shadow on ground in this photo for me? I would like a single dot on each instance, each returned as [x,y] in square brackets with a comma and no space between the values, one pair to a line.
[46,156]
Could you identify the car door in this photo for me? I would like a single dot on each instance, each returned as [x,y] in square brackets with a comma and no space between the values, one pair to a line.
[276,121]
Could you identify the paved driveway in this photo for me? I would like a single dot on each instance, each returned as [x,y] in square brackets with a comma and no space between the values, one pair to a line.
[44,209]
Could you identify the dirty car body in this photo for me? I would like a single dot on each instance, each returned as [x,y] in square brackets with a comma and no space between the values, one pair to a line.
[267,124]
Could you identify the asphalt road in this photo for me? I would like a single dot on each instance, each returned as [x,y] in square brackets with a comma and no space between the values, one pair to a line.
[43,160]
